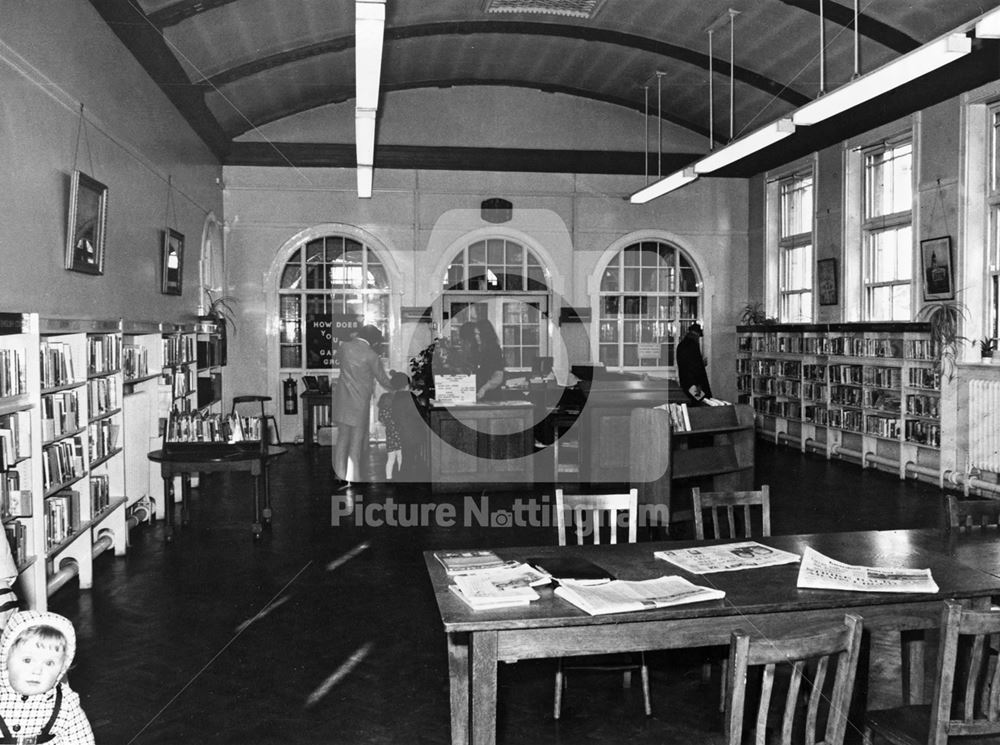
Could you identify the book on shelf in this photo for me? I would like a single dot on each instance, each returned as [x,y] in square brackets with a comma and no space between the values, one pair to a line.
[726,557]
[621,596]
[466,562]
[680,420]
[571,567]
[498,588]
[823,573]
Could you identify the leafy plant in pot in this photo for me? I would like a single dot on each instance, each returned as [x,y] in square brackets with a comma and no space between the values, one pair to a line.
[944,319]
[986,348]
[753,314]
[220,312]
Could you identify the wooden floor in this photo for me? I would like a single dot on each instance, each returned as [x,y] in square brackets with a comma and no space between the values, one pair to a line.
[329,634]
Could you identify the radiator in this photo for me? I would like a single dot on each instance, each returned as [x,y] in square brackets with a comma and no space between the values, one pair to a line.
[984,425]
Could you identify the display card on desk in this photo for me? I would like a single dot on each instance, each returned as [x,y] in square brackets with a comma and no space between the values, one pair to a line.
[455,389]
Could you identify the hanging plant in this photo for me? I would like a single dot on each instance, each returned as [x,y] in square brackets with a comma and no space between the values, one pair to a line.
[945,319]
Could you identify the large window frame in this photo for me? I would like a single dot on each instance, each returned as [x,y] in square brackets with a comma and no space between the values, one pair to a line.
[993,208]
[887,230]
[649,292]
[796,266]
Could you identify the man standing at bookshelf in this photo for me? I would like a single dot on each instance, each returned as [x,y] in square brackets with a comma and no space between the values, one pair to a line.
[691,366]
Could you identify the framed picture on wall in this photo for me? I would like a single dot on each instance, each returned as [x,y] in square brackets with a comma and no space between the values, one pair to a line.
[935,259]
[826,281]
[172,262]
[87,224]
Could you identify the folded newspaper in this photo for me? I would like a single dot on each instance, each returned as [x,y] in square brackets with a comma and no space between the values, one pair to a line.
[622,596]
[821,572]
[499,588]
[726,557]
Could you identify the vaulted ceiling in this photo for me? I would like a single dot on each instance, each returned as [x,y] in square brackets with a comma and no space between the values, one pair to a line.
[234,66]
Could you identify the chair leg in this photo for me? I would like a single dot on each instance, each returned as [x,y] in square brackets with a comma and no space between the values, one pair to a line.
[627,679]
[724,669]
[645,687]
[557,708]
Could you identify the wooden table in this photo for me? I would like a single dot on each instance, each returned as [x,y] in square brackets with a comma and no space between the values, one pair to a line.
[764,598]
[185,463]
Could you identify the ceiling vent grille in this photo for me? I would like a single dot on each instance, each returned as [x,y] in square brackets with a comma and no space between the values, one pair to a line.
[573,8]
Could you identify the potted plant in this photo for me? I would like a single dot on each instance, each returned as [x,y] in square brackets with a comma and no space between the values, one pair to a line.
[753,314]
[219,311]
[986,347]
[944,319]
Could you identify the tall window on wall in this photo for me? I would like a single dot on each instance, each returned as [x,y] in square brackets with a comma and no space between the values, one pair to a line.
[887,232]
[993,199]
[795,249]
[503,281]
[650,293]
[329,286]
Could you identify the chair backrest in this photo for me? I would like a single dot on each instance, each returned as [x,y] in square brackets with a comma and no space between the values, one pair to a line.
[808,659]
[967,690]
[966,514]
[590,512]
[731,512]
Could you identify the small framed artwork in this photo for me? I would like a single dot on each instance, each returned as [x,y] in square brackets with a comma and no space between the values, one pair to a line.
[172,262]
[935,259]
[826,281]
[87,224]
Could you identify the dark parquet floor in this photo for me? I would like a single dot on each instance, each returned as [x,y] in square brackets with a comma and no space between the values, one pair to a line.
[329,634]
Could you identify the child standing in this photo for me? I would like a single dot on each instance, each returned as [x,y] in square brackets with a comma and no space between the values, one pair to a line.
[399,385]
[36,704]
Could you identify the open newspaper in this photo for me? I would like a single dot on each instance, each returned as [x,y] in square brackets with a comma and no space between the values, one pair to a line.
[821,572]
[499,588]
[726,557]
[622,596]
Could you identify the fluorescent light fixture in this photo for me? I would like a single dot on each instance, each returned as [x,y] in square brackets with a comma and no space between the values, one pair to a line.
[988,27]
[884,79]
[364,136]
[663,186]
[746,145]
[369,25]
[364,182]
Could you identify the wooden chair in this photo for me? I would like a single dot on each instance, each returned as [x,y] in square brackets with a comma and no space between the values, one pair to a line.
[966,515]
[732,513]
[966,697]
[808,659]
[590,513]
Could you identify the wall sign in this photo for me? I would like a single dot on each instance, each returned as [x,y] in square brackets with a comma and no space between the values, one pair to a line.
[497,210]
[324,332]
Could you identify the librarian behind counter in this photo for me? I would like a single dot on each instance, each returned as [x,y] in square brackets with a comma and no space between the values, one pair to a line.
[482,355]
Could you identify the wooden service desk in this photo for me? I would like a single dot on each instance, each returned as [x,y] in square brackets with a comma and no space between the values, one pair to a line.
[186,462]
[481,443]
[764,599]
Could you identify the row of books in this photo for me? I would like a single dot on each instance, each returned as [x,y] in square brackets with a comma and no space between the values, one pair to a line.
[60,414]
[15,497]
[57,364]
[181,382]
[178,350]
[894,347]
[135,361]
[62,516]
[206,427]
[13,381]
[102,396]
[680,419]
[102,439]
[15,438]
[103,354]
[17,539]
[62,461]
[100,493]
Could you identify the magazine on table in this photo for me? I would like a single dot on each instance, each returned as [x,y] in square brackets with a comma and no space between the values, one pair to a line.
[572,567]
[821,572]
[622,596]
[499,588]
[466,562]
[726,557]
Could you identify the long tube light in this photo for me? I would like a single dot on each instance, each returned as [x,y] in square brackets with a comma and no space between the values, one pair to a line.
[884,79]
[664,185]
[988,27]
[369,28]
[364,181]
[746,145]
[364,128]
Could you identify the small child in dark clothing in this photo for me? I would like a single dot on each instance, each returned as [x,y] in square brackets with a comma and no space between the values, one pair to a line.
[399,385]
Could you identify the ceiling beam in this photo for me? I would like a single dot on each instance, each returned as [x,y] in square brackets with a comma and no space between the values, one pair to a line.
[881,33]
[327,155]
[171,15]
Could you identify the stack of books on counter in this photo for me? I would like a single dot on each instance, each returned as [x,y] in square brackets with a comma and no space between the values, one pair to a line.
[484,581]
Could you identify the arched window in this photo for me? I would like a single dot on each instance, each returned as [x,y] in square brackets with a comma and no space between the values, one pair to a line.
[329,285]
[650,291]
[503,281]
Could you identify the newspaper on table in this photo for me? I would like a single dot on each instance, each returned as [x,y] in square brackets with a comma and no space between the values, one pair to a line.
[726,557]
[469,561]
[622,596]
[499,588]
[821,572]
